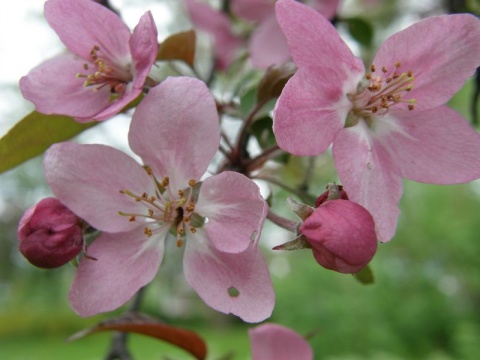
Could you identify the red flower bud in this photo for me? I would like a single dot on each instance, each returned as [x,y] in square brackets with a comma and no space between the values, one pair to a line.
[50,234]
[339,193]
[342,235]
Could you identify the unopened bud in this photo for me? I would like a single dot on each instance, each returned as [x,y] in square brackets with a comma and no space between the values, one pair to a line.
[333,192]
[50,234]
[342,235]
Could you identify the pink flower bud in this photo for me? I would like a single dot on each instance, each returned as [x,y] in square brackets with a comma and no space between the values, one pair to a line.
[342,235]
[50,234]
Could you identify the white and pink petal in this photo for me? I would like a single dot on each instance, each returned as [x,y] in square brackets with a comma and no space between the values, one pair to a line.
[370,176]
[239,283]
[119,270]
[176,131]
[88,180]
[235,211]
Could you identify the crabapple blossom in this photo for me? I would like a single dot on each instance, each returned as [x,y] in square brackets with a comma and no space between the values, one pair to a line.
[175,131]
[107,66]
[276,342]
[386,123]
[268,45]
[217,25]
[49,234]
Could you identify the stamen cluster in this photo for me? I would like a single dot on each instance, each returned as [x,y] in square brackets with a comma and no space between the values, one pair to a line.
[164,207]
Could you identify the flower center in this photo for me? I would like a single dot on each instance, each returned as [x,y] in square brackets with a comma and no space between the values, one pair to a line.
[378,92]
[105,73]
[164,208]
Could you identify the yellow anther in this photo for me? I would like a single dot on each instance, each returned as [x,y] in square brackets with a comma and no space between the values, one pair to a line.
[190,207]
[147,231]
[179,242]
[384,69]
[397,64]
[148,169]
[411,107]
[181,193]
[193,230]
[150,212]
[409,73]
[192,182]
[180,231]
[131,218]
[374,109]
[368,76]
[165,181]
[152,199]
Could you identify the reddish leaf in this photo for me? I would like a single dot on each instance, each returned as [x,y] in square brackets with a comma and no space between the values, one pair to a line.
[180,46]
[145,325]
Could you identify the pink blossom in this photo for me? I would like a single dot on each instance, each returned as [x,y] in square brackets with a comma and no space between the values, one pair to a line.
[387,123]
[276,342]
[175,131]
[50,235]
[268,45]
[218,25]
[106,68]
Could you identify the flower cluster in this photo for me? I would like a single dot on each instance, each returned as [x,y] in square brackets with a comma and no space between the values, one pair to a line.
[191,183]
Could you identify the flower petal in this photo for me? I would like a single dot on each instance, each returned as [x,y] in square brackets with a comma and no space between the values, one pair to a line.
[312,39]
[441,51]
[88,179]
[65,95]
[370,176]
[311,110]
[144,48]
[217,25]
[268,45]
[119,271]
[235,211]
[435,146]
[327,8]
[83,24]
[275,342]
[230,283]
[253,10]
[176,131]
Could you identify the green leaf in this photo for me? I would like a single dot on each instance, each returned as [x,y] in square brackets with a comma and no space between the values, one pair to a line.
[365,276]
[34,134]
[361,30]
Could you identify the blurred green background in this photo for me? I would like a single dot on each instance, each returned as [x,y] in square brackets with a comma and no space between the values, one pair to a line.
[424,304]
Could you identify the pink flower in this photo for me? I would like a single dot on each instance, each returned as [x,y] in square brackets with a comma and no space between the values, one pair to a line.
[268,45]
[107,66]
[218,25]
[276,342]
[50,234]
[389,123]
[175,130]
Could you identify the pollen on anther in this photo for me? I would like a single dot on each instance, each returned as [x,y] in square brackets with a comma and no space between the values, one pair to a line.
[85,66]
[192,182]
[150,212]
[190,207]
[193,230]
[181,193]
[149,171]
[181,231]
[411,107]
[409,73]
[368,76]
[165,181]
[397,64]
[131,218]
[179,243]
[147,231]
[372,68]
[384,69]
[374,109]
